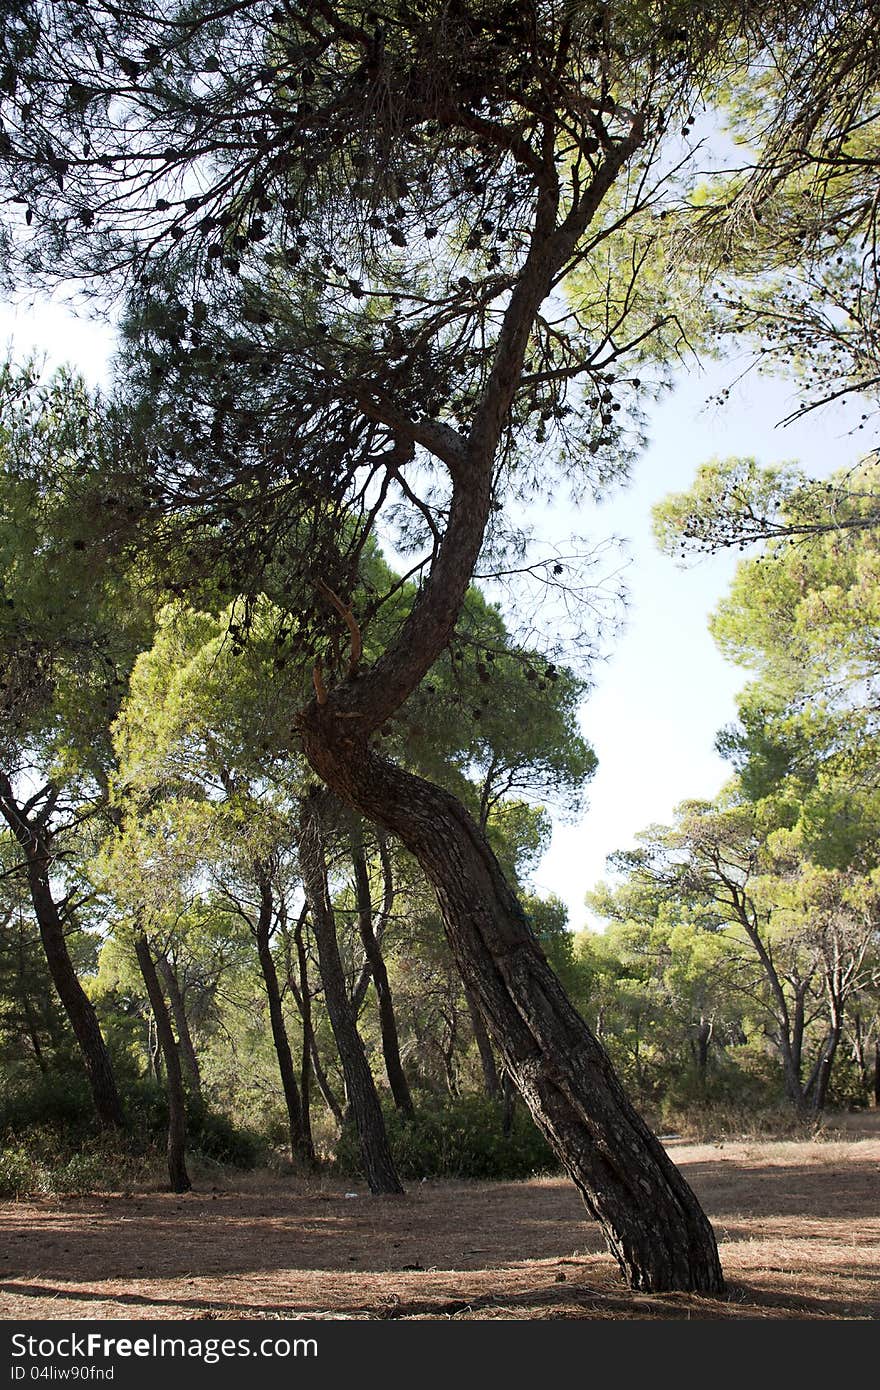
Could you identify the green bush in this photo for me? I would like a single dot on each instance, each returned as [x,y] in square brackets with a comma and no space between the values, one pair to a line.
[52,1100]
[461,1138]
[216,1137]
[50,1142]
[16,1173]
[40,1165]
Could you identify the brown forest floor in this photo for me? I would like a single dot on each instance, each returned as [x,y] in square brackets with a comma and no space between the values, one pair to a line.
[798,1223]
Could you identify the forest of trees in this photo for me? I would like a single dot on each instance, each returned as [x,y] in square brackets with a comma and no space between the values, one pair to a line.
[289,682]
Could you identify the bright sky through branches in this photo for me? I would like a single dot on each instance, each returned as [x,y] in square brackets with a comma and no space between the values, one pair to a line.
[664,691]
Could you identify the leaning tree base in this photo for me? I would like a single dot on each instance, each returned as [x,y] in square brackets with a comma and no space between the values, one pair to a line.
[651,1220]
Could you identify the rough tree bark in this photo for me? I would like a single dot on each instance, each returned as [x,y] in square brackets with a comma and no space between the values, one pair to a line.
[32,832]
[177,1174]
[387,1020]
[362,1098]
[649,1216]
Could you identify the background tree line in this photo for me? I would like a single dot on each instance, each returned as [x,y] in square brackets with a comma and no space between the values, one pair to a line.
[383,278]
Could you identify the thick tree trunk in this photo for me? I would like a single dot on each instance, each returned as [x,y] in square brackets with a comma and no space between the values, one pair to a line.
[362,1098]
[650,1218]
[178,1011]
[877,1073]
[387,1020]
[300,1147]
[177,1174]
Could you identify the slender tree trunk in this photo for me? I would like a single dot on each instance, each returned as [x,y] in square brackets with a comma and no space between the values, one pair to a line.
[877,1073]
[447,1052]
[331,1100]
[300,1148]
[704,1034]
[178,1011]
[75,1001]
[362,1098]
[798,1025]
[178,1176]
[508,1092]
[491,1082]
[650,1218]
[387,1020]
[826,1061]
[154,1059]
[795,1090]
[823,1075]
[311,1054]
[789,1032]
[304,1004]
[34,838]
[30,1021]
[859,1055]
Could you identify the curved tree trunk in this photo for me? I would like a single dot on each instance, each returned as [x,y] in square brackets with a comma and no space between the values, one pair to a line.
[300,1146]
[387,1020]
[650,1218]
[362,1098]
[177,1174]
[34,839]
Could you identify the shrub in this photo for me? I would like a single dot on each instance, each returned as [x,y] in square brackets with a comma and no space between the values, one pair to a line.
[52,1100]
[41,1166]
[214,1136]
[460,1138]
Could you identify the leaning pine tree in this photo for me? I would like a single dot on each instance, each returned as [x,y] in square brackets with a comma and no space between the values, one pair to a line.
[344,234]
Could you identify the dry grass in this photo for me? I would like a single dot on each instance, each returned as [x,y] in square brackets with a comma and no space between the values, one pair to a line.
[798,1224]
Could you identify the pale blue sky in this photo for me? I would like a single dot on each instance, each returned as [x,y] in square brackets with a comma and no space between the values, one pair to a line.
[664,691]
